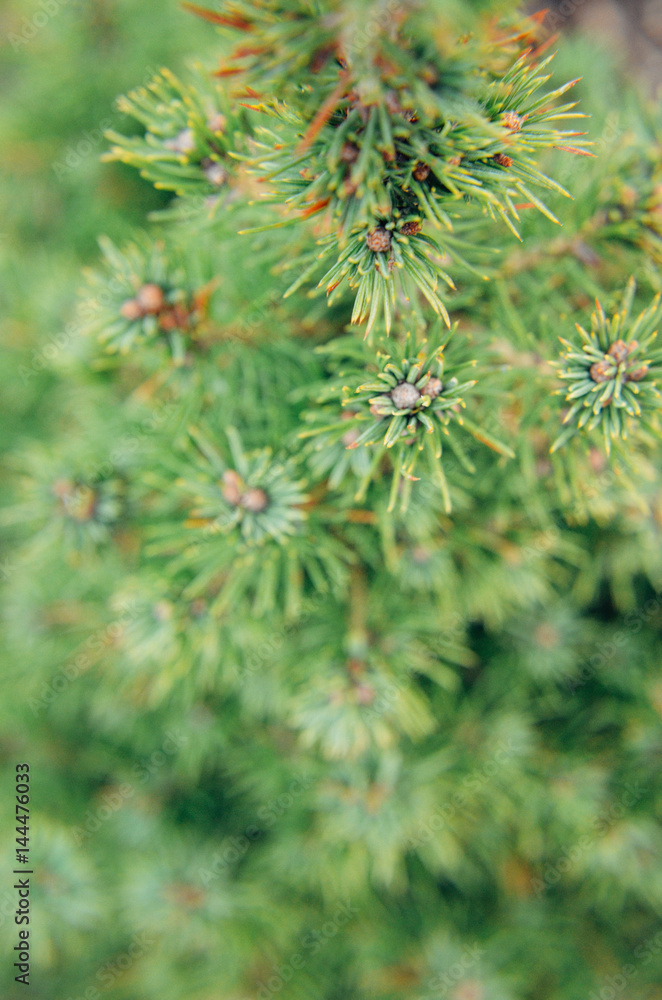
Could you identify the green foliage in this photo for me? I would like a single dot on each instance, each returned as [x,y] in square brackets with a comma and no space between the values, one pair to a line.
[190,131]
[406,145]
[387,156]
[140,296]
[373,272]
[67,510]
[409,407]
[631,194]
[613,372]
[243,530]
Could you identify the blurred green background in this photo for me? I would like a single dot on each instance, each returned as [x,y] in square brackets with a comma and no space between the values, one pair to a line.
[61,73]
[62,65]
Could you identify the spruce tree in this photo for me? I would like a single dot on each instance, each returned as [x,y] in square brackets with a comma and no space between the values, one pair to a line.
[355,517]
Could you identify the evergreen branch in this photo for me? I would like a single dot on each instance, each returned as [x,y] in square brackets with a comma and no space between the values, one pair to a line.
[402,416]
[611,374]
[249,530]
[192,134]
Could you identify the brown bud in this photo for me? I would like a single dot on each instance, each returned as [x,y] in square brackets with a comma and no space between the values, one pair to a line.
[455,161]
[175,318]
[79,503]
[637,374]
[432,387]
[349,152]
[411,228]
[232,487]
[421,171]
[618,351]
[131,310]
[150,299]
[321,56]
[503,160]
[379,240]
[601,371]
[512,120]
[254,500]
